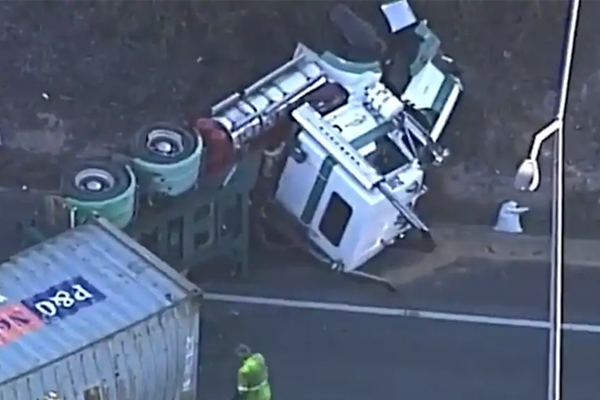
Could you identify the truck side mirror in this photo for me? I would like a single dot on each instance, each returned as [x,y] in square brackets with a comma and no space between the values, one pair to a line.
[428,49]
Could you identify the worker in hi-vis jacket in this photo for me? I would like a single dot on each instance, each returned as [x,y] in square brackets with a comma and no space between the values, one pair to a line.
[253,376]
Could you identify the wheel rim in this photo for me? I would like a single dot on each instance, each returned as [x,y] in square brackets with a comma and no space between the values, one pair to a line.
[164,143]
[94,180]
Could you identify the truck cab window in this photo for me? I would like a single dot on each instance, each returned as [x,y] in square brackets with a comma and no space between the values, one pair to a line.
[335,219]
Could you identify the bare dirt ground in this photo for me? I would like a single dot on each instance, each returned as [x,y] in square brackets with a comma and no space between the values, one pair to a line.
[80,77]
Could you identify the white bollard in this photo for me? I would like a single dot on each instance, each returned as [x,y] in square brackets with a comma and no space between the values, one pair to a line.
[509,217]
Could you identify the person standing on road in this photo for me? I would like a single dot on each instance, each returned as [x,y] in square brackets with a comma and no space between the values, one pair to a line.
[253,376]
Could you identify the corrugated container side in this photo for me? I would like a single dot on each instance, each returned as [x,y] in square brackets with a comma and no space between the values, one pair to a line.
[146,361]
[153,359]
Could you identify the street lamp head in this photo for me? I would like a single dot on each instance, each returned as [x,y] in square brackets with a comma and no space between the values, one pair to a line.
[528,176]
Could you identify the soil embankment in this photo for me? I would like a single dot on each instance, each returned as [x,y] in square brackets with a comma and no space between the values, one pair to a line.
[79,77]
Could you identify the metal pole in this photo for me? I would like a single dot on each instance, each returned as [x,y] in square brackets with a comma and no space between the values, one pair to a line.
[558,194]
[556,278]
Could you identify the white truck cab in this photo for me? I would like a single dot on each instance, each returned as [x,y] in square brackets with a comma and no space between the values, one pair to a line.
[355,167]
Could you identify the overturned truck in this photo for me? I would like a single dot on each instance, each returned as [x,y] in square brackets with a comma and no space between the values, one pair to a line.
[330,149]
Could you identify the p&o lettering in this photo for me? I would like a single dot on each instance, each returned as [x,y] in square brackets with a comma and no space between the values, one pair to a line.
[81,294]
[63,299]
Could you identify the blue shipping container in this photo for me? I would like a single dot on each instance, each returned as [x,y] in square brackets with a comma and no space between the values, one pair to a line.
[92,315]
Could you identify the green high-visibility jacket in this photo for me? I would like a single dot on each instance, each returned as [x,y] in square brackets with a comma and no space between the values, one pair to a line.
[253,379]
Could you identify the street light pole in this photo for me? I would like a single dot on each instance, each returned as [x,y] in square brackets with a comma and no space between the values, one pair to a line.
[556,270]
[558,205]
[528,179]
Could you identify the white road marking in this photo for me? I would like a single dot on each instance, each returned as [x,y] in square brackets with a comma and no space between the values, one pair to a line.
[398,312]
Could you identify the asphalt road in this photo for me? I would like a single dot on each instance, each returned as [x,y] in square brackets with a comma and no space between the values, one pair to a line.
[329,355]
[513,290]
[336,355]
